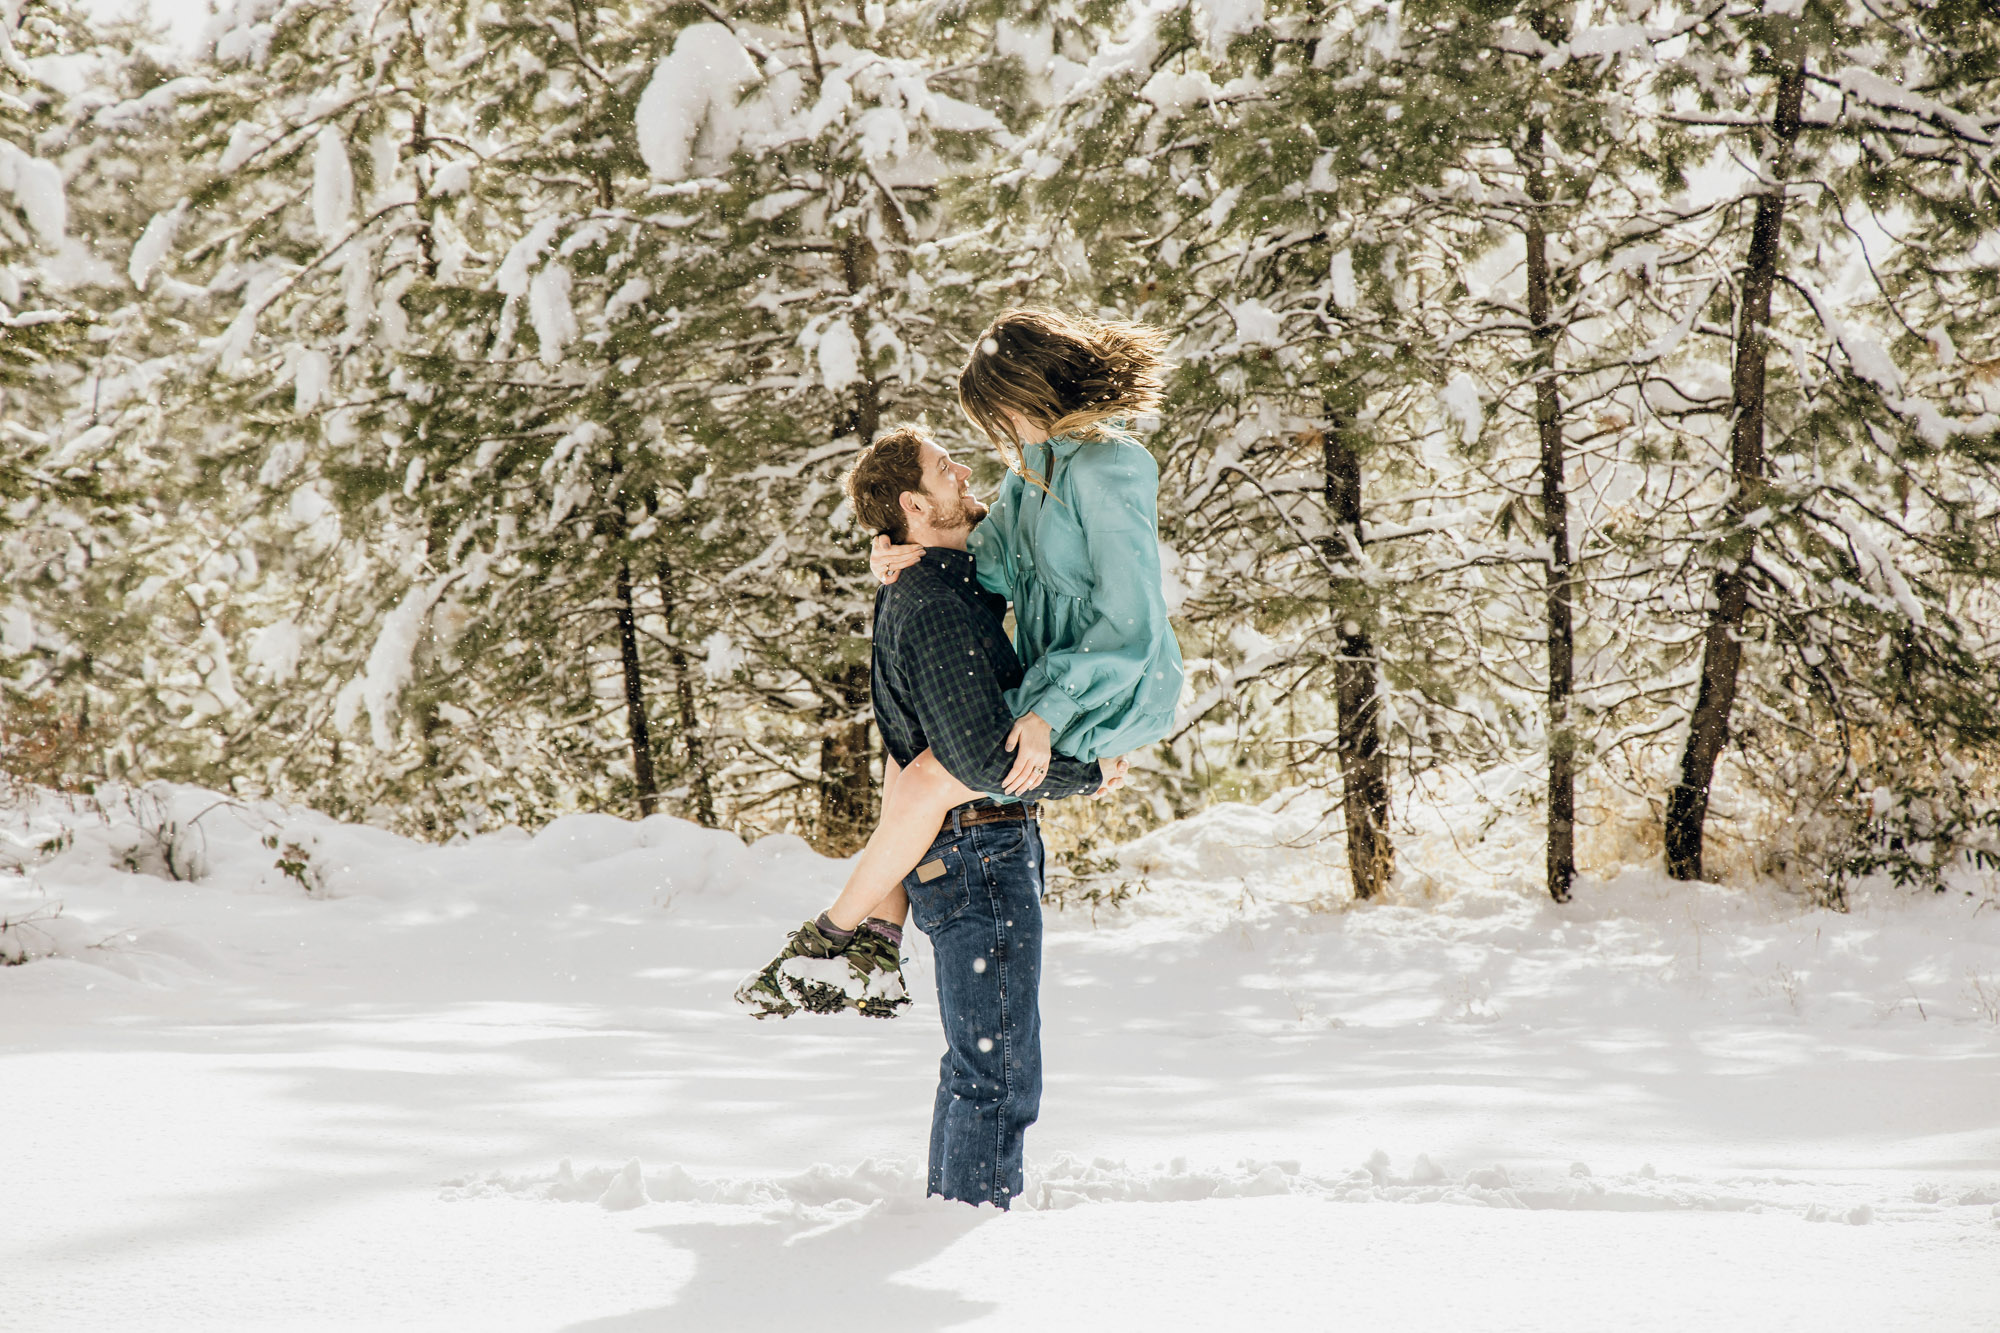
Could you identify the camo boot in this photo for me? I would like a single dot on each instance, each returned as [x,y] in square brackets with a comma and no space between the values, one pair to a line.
[876,956]
[770,992]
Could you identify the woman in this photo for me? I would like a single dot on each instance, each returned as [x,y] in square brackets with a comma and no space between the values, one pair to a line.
[1072,541]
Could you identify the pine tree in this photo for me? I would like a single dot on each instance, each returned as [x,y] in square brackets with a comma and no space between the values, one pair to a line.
[442,515]
[1846,539]
[1538,135]
[497,546]
[1254,183]
[71,422]
[44,324]
[471,452]
[805,147]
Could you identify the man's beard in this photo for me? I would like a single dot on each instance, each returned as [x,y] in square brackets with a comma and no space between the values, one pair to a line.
[965,513]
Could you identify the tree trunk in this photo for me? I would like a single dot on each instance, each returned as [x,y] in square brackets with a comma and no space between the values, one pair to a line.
[1363,770]
[812,42]
[699,787]
[1561,859]
[857,271]
[420,147]
[635,696]
[1729,592]
[846,787]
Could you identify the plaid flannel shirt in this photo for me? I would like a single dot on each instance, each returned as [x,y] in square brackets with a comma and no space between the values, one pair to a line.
[942,667]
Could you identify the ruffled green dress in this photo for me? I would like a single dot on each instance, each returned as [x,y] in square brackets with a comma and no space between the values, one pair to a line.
[1081,564]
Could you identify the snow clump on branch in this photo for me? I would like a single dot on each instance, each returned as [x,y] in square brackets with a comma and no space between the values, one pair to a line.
[549,310]
[153,244]
[693,89]
[37,187]
[839,356]
[389,664]
[1460,401]
[333,186]
[1230,18]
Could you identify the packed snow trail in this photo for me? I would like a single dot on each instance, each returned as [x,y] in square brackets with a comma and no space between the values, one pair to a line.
[500,1085]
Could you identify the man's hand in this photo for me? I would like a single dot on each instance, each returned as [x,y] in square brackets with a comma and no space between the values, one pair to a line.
[1114,771]
[1029,740]
[887,560]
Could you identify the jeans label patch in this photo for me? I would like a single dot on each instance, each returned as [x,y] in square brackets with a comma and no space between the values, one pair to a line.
[929,871]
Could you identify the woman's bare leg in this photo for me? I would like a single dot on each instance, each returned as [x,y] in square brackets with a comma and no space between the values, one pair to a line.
[914,804]
[895,909]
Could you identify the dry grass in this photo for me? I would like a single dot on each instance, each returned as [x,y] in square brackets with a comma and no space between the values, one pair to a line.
[41,746]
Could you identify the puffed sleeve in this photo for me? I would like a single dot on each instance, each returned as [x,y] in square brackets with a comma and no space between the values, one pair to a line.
[1117,492]
[992,539]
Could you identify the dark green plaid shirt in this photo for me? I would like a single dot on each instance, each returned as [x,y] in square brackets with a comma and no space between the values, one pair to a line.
[942,669]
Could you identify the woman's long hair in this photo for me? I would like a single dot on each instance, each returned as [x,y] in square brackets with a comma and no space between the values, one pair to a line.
[1071,375]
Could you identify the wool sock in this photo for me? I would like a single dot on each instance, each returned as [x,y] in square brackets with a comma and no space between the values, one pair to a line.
[826,927]
[888,930]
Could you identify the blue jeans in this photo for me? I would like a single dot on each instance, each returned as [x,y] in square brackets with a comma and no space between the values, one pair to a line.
[983,915]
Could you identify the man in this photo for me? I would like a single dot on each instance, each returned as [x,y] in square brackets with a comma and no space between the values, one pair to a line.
[942,666]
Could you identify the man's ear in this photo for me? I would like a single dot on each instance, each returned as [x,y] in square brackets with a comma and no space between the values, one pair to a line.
[912,504]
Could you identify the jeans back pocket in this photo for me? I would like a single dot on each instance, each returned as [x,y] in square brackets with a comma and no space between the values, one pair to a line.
[938,888]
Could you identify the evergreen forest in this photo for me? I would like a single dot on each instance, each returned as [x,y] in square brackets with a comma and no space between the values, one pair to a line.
[435,412]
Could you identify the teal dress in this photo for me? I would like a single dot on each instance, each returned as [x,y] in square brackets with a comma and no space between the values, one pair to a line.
[1081,565]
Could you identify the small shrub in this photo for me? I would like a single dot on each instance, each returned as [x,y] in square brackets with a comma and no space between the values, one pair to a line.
[1080,839]
[298,859]
[149,839]
[1984,990]
[24,938]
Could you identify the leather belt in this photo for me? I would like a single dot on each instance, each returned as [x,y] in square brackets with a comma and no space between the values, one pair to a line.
[969,816]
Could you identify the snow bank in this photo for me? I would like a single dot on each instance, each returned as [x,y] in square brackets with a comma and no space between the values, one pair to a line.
[1478,940]
[1232,856]
[190,835]
[1066,1181]
[339,1033]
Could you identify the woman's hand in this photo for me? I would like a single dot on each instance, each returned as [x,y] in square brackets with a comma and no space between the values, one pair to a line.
[1029,740]
[1114,771]
[887,560]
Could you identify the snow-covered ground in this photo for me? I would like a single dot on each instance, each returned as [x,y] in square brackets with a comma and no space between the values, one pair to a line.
[499,1085]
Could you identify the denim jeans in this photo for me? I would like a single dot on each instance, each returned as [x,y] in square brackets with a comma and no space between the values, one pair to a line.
[983,915]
